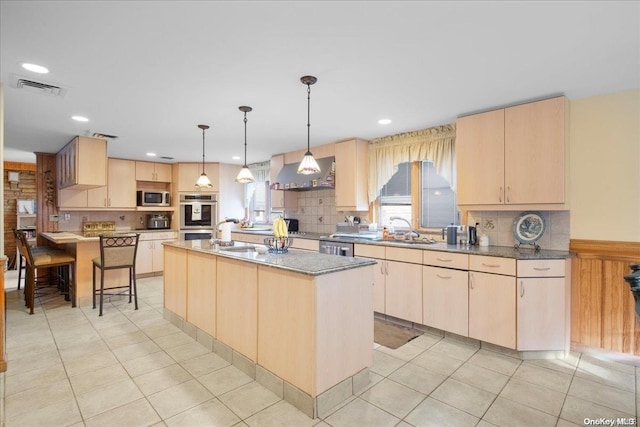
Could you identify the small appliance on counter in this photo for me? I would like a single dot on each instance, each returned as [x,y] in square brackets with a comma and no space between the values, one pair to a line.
[292,225]
[158,222]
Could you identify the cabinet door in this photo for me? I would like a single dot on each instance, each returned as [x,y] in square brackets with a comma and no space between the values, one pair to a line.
[541,313]
[201,291]
[351,175]
[445,295]
[480,158]
[122,184]
[492,308]
[145,171]
[175,282]
[403,290]
[163,172]
[158,254]
[144,257]
[534,152]
[98,197]
[72,198]
[379,286]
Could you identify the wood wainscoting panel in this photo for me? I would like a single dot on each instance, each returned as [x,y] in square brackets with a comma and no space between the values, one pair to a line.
[602,306]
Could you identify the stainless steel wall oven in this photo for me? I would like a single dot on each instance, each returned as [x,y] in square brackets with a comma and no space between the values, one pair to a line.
[198,215]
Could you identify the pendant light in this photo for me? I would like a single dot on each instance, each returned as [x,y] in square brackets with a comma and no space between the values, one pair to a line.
[308,165]
[245,176]
[203,181]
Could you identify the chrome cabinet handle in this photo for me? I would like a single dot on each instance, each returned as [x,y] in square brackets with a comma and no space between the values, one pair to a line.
[471,280]
[508,193]
[386,268]
[491,265]
[444,260]
[542,268]
[443,277]
[521,288]
[500,195]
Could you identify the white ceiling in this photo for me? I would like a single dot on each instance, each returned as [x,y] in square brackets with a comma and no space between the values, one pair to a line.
[151,71]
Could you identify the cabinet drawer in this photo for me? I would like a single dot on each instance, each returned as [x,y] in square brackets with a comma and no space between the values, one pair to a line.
[413,256]
[541,268]
[310,245]
[489,264]
[446,259]
[369,251]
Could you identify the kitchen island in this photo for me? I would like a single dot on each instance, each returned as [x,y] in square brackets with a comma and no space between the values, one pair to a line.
[300,323]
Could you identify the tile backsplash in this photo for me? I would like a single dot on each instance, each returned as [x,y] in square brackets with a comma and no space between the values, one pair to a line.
[124,220]
[498,226]
[317,213]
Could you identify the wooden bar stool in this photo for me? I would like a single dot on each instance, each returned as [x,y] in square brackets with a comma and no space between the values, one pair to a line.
[21,261]
[116,252]
[46,257]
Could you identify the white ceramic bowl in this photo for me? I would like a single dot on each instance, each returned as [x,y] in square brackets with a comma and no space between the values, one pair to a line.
[261,249]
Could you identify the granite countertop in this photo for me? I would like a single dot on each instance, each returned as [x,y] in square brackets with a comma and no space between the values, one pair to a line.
[497,251]
[298,261]
[61,237]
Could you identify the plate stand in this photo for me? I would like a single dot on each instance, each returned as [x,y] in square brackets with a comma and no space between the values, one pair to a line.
[536,246]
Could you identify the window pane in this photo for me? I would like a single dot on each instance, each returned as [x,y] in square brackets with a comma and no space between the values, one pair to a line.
[437,199]
[395,196]
[259,202]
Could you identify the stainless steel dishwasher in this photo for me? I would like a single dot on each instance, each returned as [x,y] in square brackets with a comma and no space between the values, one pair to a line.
[332,247]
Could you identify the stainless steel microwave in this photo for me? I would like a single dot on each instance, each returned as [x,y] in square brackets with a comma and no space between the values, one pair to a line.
[153,198]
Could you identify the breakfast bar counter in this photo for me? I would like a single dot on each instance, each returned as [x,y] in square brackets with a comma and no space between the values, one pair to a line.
[299,322]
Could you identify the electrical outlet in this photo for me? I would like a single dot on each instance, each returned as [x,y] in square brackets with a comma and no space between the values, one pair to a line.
[67,217]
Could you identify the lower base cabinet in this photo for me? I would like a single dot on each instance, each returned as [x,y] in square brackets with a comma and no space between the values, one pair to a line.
[201,291]
[403,290]
[492,310]
[149,258]
[445,294]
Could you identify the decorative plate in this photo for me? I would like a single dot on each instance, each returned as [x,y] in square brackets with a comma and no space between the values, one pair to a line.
[528,227]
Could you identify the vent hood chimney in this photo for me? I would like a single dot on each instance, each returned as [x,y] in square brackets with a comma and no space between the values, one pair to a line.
[290,179]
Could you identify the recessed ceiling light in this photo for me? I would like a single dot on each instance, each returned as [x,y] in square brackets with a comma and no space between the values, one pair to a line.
[236,158]
[384,121]
[35,68]
[79,118]
[151,154]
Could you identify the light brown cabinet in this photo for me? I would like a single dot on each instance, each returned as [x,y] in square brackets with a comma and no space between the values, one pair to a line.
[352,175]
[512,156]
[188,174]
[542,305]
[201,291]
[445,291]
[175,281]
[82,164]
[119,193]
[280,199]
[150,258]
[150,171]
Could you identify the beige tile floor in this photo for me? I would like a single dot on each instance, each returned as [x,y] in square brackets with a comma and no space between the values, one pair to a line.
[69,367]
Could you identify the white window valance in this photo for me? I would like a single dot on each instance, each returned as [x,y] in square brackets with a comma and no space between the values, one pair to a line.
[434,144]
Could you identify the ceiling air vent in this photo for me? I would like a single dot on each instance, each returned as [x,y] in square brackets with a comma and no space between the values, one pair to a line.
[103,135]
[166,157]
[38,87]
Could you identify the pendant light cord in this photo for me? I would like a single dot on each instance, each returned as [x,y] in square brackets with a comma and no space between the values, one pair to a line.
[203,151]
[308,117]
[245,139]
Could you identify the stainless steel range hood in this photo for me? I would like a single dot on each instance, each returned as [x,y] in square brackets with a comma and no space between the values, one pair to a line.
[289,178]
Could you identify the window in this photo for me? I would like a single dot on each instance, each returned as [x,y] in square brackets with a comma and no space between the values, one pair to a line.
[437,199]
[258,201]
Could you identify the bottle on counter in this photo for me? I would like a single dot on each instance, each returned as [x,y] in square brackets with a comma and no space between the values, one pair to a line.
[385,232]
[484,240]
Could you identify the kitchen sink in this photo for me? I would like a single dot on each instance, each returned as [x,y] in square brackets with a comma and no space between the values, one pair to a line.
[238,248]
[416,242]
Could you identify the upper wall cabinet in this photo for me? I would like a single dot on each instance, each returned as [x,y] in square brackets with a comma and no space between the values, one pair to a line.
[352,175]
[82,164]
[280,199]
[149,171]
[188,174]
[513,156]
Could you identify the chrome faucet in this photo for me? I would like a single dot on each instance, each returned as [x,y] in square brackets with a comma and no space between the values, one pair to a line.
[411,232]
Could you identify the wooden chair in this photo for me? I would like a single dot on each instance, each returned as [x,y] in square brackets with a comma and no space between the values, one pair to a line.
[46,257]
[21,261]
[116,252]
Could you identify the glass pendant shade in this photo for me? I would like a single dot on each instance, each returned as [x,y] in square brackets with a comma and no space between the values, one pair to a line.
[245,176]
[203,181]
[308,165]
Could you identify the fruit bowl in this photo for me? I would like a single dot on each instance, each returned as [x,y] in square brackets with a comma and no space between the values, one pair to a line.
[278,245]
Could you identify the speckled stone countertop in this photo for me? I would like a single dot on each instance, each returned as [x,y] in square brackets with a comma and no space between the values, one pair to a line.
[304,262]
[497,251]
